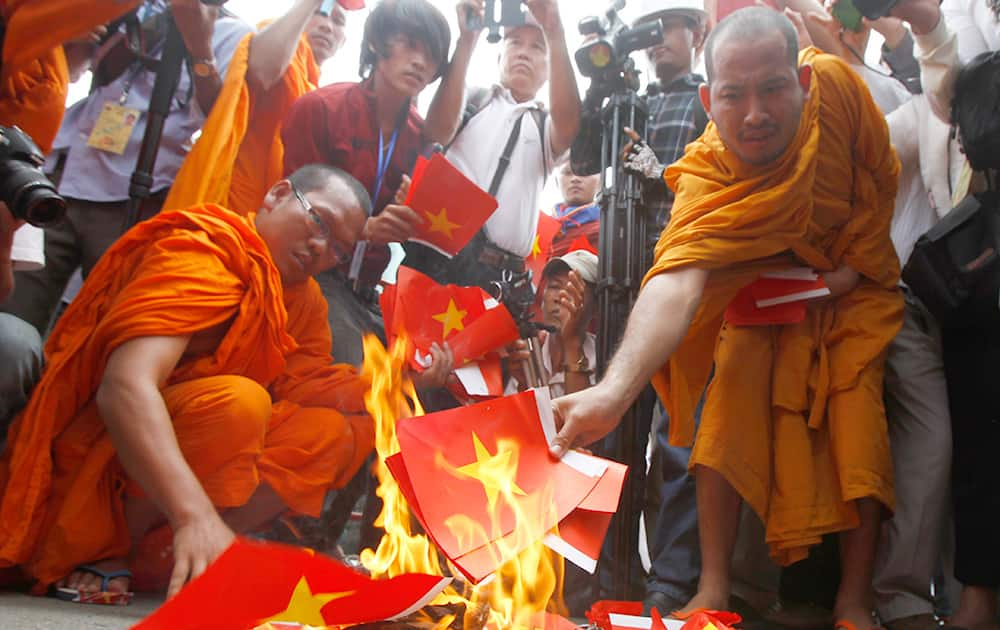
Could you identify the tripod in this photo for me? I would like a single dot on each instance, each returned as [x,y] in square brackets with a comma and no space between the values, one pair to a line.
[623,262]
[168,75]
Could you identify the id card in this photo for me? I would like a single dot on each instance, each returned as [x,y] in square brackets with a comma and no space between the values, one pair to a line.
[113,128]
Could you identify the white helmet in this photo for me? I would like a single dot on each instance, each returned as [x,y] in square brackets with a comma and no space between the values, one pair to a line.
[694,9]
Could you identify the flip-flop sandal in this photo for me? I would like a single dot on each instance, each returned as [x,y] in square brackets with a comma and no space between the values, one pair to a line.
[103,596]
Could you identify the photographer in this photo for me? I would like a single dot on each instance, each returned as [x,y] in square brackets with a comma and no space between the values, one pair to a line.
[97,147]
[505,125]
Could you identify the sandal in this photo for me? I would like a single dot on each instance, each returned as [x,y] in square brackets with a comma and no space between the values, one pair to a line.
[103,596]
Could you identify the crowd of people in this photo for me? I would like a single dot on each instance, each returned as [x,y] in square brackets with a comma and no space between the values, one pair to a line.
[204,381]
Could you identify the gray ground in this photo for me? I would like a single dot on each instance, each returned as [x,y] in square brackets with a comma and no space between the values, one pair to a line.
[23,612]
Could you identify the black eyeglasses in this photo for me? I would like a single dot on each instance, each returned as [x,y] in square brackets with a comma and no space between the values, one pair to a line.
[319,229]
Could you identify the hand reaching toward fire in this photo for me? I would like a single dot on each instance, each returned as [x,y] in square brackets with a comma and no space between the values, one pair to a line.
[584,417]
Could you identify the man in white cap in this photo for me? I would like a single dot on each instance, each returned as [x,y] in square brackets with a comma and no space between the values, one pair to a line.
[505,141]
[569,353]
[676,117]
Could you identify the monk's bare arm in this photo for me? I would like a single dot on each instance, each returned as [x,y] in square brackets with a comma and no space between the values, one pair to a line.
[659,321]
[272,49]
[142,432]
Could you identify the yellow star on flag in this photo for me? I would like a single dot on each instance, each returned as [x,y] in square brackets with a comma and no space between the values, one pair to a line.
[452,319]
[536,247]
[490,470]
[440,222]
[305,607]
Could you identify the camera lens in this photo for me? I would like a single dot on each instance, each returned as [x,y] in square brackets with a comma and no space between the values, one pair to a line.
[40,205]
[29,195]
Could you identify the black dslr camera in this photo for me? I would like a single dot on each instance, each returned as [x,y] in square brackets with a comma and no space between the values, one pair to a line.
[24,187]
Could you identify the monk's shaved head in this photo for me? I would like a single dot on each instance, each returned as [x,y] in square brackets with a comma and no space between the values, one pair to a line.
[317,176]
[749,24]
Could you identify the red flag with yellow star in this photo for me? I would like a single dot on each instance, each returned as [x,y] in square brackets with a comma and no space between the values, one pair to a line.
[452,206]
[467,318]
[254,583]
[541,250]
[481,481]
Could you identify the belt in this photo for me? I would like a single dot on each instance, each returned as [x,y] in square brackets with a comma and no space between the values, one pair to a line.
[500,259]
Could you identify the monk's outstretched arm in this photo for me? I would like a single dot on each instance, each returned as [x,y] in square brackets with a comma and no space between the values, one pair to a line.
[656,327]
[142,432]
[272,49]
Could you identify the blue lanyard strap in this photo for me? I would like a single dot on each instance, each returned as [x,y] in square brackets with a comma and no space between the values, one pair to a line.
[384,159]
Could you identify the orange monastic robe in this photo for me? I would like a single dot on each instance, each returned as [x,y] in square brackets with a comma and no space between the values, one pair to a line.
[34,79]
[239,154]
[794,417]
[263,403]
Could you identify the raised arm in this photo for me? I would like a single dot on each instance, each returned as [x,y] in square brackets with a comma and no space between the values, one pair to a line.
[272,49]
[141,430]
[445,113]
[649,341]
[564,96]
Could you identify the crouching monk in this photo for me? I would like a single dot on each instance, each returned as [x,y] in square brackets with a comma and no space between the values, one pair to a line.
[796,170]
[189,383]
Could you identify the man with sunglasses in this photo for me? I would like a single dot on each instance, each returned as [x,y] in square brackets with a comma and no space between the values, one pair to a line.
[189,385]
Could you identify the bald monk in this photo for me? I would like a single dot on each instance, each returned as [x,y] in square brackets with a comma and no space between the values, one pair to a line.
[795,170]
[240,147]
[189,383]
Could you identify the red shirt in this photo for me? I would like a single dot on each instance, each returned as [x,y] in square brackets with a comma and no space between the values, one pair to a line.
[336,125]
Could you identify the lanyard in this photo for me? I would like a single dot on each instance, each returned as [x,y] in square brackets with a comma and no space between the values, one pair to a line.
[384,159]
[382,167]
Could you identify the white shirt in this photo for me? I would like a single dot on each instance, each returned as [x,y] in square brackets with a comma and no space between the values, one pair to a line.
[28,249]
[476,152]
[975,26]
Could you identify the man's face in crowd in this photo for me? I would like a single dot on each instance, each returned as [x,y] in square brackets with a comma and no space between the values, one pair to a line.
[756,96]
[577,190]
[553,284]
[676,54]
[312,234]
[524,62]
[326,33]
[408,65]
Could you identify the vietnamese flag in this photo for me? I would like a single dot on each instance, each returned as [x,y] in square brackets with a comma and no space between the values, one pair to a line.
[582,242]
[36,26]
[452,206]
[541,249]
[253,583]
[455,466]
[467,318]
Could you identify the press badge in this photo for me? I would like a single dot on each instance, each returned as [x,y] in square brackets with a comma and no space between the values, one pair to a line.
[113,128]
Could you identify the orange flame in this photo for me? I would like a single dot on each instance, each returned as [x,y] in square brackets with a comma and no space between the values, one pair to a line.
[528,583]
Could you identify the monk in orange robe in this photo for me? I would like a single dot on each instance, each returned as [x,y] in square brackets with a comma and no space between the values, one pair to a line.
[190,383]
[240,149]
[795,170]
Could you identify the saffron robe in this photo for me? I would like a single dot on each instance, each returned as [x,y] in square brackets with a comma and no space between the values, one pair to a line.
[264,403]
[239,155]
[800,431]
[34,79]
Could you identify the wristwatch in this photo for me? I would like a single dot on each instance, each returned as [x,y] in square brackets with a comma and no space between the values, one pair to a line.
[581,366]
[204,67]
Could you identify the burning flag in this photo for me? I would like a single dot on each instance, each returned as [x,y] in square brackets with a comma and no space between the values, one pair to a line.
[481,481]
[452,206]
[255,583]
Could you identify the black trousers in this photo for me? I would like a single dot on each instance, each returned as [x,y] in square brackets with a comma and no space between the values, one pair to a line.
[972,365]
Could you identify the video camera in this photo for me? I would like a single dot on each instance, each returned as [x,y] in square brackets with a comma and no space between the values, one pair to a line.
[511,15]
[25,189]
[608,53]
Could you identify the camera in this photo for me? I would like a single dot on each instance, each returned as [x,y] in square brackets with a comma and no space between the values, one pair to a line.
[613,42]
[511,15]
[24,187]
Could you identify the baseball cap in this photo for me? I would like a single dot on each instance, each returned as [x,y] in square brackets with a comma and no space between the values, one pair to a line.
[581,261]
